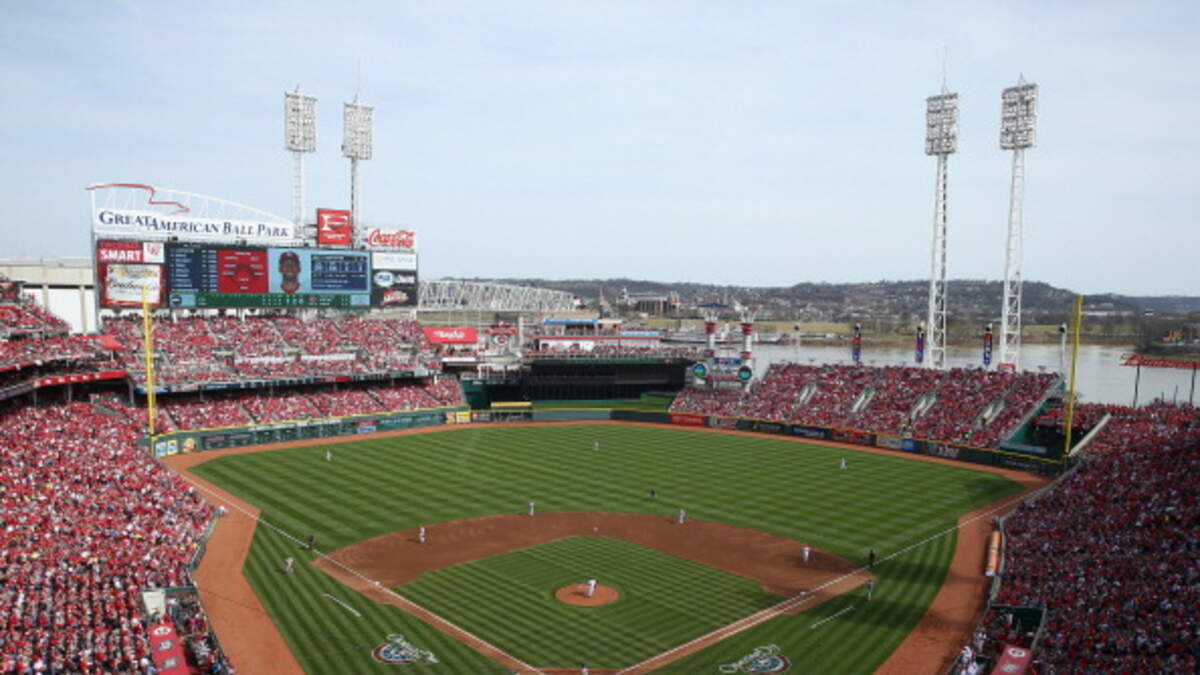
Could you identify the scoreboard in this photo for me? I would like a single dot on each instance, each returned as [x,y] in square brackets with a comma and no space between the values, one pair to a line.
[210,276]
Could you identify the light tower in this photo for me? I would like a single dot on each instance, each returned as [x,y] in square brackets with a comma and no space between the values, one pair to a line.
[1018,119]
[299,137]
[941,140]
[356,145]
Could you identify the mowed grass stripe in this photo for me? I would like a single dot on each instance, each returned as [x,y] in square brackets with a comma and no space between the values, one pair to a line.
[791,489]
[667,600]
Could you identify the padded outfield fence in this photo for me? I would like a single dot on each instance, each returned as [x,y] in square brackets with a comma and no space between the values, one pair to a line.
[175,442]
[1013,456]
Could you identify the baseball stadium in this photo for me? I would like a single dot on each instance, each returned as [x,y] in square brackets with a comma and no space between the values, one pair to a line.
[235,442]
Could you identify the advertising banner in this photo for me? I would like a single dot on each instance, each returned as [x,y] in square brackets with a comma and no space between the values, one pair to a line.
[75,378]
[122,285]
[452,336]
[688,420]
[389,239]
[888,441]
[818,433]
[722,422]
[852,436]
[397,262]
[108,251]
[767,427]
[333,227]
[393,288]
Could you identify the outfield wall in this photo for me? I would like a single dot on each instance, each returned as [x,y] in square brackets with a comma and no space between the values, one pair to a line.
[1022,461]
[201,440]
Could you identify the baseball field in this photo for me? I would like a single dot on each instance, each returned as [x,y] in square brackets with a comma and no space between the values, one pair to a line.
[500,575]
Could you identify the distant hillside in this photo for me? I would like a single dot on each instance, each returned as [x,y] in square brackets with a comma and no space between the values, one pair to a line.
[901,301]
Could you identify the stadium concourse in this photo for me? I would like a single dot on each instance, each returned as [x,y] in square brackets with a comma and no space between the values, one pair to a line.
[90,520]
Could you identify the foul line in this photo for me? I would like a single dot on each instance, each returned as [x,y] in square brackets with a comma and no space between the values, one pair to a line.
[403,600]
[348,607]
[831,618]
[804,597]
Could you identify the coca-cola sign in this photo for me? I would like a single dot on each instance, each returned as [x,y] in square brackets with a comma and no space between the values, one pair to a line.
[390,239]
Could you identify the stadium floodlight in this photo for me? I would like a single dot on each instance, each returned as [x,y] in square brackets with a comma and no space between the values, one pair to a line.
[356,145]
[299,137]
[1018,121]
[941,140]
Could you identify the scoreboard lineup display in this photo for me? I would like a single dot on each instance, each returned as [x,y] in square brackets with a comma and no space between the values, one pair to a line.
[206,276]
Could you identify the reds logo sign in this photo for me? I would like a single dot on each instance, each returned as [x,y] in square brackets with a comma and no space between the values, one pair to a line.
[400,652]
[764,659]
[333,227]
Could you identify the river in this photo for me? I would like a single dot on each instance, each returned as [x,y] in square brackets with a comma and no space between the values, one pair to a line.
[1100,379]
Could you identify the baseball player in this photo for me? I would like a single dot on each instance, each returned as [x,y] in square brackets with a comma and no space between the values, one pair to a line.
[421,534]
[871,560]
[595,445]
[312,542]
[591,589]
[653,493]
[682,516]
[843,467]
[807,548]
[328,456]
[287,564]
[870,588]
[532,507]
[583,670]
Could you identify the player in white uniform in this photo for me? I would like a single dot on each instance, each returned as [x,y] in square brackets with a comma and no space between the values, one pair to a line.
[532,507]
[328,456]
[287,565]
[843,464]
[682,516]
[591,587]
[806,551]
[421,534]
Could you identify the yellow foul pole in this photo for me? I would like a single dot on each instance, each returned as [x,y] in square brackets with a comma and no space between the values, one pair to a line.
[148,350]
[1070,416]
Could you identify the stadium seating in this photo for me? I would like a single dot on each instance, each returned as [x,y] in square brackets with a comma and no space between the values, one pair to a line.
[1112,550]
[221,348]
[29,317]
[960,397]
[89,520]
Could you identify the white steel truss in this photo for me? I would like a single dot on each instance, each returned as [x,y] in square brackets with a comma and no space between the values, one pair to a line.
[1018,123]
[941,140]
[459,295]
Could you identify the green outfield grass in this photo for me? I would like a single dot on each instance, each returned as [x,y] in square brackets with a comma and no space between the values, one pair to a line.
[793,489]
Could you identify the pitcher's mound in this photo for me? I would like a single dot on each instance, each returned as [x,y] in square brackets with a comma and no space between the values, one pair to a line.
[576,594]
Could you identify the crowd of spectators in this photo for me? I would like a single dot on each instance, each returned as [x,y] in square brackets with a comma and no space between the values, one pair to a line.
[259,406]
[26,316]
[61,348]
[1113,550]
[959,398]
[726,402]
[897,391]
[1020,400]
[224,348]
[88,521]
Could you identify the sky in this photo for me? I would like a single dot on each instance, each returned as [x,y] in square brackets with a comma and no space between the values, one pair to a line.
[751,144]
